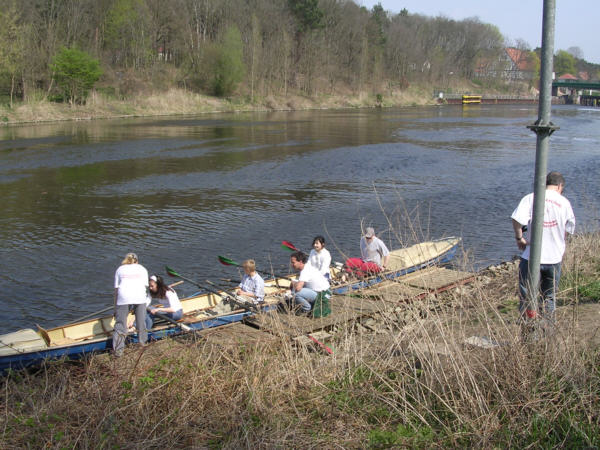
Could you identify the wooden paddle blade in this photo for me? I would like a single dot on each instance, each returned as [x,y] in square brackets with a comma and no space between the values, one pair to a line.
[323,346]
[227,261]
[171,272]
[289,246]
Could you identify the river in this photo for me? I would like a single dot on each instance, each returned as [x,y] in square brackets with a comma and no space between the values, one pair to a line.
[77,196]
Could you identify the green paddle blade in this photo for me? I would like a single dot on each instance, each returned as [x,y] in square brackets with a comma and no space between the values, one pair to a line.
[227,261]
[171,272]
[289,246]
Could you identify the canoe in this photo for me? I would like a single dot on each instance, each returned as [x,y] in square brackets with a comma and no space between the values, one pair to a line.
[404,261]
[29,347]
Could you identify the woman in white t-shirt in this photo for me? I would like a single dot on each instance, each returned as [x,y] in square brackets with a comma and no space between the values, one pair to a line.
[131,291]
[171,306]
[319,257]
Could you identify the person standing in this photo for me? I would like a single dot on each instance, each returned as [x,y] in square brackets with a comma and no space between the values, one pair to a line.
[252,284]
[131,291]
[374,256]
[558,220]
[310,286]
[319,257]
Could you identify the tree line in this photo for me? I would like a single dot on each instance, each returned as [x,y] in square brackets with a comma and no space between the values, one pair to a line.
[215,46]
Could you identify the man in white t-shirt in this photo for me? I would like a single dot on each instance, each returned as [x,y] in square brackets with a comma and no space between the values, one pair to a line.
[558,220]
[311,283]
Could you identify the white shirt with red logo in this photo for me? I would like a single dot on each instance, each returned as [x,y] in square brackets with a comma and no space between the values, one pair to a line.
[558,220]
[131,280]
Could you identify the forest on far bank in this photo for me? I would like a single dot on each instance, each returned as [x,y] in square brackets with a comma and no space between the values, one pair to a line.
[60,49]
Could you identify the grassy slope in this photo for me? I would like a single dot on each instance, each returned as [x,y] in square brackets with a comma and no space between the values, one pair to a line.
[412,382]
[179,101]
[176,101]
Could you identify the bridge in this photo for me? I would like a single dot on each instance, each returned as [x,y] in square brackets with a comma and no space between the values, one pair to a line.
[576,84]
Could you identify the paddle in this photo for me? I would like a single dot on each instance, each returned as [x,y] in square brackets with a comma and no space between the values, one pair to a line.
[287,245]
[81,319]
[230,262]
[238,300]
[183,326]
[174,273]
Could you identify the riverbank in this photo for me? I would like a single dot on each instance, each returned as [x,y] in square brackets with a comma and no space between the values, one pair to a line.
[409,379]
[182,102]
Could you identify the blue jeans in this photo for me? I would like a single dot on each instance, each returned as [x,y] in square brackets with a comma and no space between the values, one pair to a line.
[174,316]
[549,278]
[305,298]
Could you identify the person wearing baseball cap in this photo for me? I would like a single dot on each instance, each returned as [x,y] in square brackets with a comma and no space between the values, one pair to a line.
[374,256]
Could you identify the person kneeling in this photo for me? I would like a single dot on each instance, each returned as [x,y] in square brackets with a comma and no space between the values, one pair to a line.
[311,291]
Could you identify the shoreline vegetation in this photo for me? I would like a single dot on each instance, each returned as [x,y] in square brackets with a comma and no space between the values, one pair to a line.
[410,377]
[181,102]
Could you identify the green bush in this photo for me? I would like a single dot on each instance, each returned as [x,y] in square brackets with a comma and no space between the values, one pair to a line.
[75,73]
[229,67]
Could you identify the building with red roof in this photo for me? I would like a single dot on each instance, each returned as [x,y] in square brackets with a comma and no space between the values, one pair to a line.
[513,65]
[568,76]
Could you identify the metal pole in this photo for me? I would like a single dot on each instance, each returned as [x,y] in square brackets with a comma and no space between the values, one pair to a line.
[543,129]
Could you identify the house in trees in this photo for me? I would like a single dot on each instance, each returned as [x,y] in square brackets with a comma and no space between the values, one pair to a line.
[513,64]
[567,76]
[585,76]
[520,65]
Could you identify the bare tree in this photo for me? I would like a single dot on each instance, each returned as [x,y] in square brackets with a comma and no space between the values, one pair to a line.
[576,52]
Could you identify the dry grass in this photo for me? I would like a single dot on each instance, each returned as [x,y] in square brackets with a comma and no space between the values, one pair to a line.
[411,382]
[178,101]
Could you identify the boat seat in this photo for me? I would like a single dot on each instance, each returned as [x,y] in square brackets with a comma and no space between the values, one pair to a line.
[62,341]
[26,340]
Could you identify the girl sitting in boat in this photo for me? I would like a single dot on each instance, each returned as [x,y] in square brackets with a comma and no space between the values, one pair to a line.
[167,297]
[319,257]
[252,284]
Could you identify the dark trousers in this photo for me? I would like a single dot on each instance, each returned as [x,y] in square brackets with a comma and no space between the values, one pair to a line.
[549,278]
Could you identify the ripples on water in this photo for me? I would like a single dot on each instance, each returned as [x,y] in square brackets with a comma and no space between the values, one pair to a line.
[180,191]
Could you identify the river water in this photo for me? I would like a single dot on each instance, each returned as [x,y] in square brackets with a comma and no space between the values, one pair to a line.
[179,191]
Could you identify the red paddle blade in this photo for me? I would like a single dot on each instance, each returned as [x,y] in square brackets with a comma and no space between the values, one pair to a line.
[227,261]
[289,246]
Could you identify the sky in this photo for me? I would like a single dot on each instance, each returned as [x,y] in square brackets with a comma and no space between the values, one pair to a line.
[576,20]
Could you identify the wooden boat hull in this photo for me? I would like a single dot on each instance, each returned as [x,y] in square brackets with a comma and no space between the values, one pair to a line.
[21,360]
[26,348]
[408,260]
[29,348]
